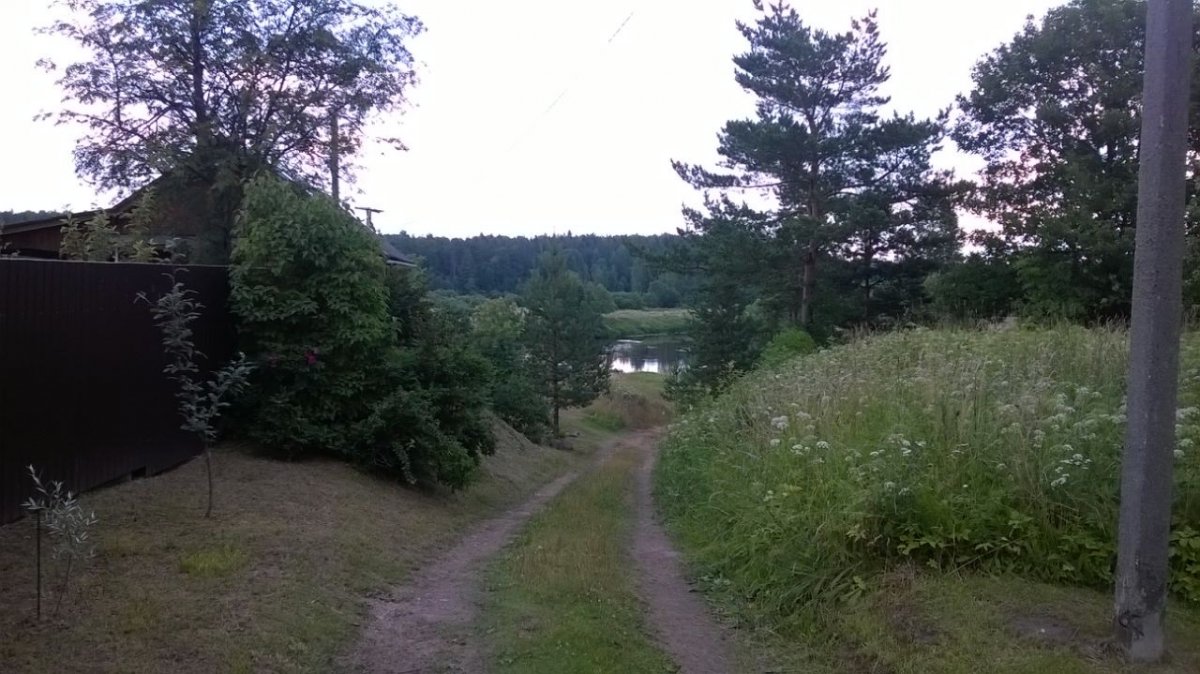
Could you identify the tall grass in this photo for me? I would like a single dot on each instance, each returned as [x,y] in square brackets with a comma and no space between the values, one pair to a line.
[953,449]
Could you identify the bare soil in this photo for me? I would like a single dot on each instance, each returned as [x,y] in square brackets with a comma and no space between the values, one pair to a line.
[682,621]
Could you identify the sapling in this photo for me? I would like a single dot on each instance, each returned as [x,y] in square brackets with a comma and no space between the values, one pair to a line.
[69,528]
[200,400]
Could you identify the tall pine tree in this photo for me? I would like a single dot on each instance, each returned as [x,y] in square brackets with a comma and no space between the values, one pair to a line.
[850,184]
[565,333]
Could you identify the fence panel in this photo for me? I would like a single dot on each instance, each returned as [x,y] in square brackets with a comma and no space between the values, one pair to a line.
[82,393]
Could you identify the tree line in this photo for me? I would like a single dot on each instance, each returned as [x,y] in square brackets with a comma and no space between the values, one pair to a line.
[495,265]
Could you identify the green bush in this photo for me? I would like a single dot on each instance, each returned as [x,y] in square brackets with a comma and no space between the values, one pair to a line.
[497,329]
[789,344]
[627,300]
[996,451]
[352,360]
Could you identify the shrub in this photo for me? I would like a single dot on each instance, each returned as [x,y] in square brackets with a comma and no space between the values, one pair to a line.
[353,360]
[977,288]
[789,344]
[497,329]
[627,300]
[996,451]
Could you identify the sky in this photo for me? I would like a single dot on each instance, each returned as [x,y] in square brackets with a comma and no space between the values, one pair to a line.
[541,116]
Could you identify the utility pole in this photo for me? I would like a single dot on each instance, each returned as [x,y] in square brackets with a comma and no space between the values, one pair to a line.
[369,211]
[334,155]
[1146,482]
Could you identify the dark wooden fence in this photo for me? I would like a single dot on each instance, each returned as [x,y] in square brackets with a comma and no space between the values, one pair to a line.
[82,393]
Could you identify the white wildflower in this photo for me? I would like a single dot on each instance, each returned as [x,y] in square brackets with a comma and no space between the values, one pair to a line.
[779,423]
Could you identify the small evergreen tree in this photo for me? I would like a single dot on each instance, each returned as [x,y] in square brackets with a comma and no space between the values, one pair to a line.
[566,336]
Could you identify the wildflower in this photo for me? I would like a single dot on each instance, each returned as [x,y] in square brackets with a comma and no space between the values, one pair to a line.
[822,445]
[774,442]
[1059,481]
[889,485]
[1179,454]
[780,423]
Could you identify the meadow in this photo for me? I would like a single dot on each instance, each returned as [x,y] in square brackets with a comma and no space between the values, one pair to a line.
[925,454]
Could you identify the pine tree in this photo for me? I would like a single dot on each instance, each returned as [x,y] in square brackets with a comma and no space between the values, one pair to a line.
[820,146]
[566,336]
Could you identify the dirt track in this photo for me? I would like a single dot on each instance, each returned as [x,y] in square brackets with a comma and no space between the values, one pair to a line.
[427,625]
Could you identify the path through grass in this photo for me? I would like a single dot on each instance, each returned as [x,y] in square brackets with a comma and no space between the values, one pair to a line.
[562,599]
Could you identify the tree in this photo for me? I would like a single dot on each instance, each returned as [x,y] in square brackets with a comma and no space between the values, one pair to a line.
[566,336]
[201,401]
[218,89]
[847,179]
[498,327]
[1055,113]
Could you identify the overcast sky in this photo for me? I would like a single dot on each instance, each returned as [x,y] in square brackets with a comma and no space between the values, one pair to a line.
[485,155]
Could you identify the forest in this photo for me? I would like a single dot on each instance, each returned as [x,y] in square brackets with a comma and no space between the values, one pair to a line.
[497,265]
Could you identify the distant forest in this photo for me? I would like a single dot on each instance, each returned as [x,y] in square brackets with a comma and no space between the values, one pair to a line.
[493,265]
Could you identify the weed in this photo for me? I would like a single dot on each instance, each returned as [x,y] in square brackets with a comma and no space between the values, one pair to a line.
[995,451]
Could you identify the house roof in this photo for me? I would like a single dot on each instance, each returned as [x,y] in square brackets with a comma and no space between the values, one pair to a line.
[391,255]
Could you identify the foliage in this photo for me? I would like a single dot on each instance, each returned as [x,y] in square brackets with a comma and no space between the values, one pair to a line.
[786,345]
[1056,114]
[498,328]
[232,83]
[997,451]
[307,288]
[495,265]
[200,400]
[68,525]
[975,288]
[852,185]
[439,384]
[354,360]
[565,335]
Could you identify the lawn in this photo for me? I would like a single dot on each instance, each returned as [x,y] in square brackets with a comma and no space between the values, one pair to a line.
[275,581]
[639,323]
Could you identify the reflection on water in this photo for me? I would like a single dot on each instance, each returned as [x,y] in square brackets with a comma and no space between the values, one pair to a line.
[629,355]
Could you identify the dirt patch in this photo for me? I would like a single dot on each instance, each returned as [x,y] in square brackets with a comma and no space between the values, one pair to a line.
[426,625]
[682,621]
[1044,630]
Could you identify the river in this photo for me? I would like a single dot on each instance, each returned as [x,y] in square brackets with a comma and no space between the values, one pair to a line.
[653,355]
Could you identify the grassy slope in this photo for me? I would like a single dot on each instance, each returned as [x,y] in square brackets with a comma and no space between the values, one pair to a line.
[635,323]
[806,470]
[561,599]
[276,581]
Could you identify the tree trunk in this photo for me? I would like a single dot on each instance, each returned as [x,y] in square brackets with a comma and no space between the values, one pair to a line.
[203,129]
[65,584]
[208,470]
[808,282]
[39,564]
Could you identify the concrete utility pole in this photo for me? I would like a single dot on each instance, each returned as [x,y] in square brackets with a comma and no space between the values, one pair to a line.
[1146,483]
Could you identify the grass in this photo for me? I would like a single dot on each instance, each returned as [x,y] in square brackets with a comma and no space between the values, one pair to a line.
[276,581]
[561,600]
[213,562]
[634,400]
[638,323]
[989,460]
